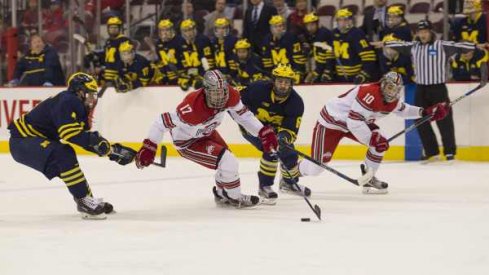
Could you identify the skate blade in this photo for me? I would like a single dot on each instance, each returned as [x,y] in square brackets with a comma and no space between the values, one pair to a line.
[295,193]
[86,216]
[267,201]
[251,206]
[374,191]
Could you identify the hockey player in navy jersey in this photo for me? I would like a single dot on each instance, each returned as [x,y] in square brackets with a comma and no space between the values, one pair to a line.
[134,70]
[283,47]
[222,45]
[38,140]
[276,104]
[167,49]
[355,58]
[108,58]
[392,61]
[397,25]
[247,65]
[196,56]
[320,42]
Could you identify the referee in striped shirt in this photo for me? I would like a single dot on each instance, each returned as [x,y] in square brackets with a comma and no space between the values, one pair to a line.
[430,59]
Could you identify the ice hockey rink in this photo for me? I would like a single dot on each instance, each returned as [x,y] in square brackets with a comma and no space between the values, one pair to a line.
[434,221]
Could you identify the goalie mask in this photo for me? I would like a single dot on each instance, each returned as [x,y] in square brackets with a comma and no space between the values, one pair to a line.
[85,87]
[391,85]
[216,89]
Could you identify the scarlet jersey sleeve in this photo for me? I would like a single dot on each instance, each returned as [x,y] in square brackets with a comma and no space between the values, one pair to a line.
[241,114]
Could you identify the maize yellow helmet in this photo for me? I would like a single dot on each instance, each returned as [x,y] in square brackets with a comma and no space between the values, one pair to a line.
[471,6]
[276,20]
[82,81]
[389,38]
[284,71]
[310,18]
[165,23]
[242,44]
[343,13]
[187,24]
[395,10]
[221,22]
[126,46]
[114,21]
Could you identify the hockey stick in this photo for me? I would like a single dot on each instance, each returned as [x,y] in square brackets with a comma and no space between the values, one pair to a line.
[162,163]
[359,182]
[316,209]
[429,117]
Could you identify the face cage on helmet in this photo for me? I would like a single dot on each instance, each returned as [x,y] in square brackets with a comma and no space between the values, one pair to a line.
[393,20]
[186,36]
[127,56]
[216,98]
[390,91]
[218,34]
[279,92]
[169,34]
[276,31]
[346,24]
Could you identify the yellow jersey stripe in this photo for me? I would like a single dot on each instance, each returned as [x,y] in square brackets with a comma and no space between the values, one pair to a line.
[16,123]
[69,172]
[68,125]
[76,181]
[70,178]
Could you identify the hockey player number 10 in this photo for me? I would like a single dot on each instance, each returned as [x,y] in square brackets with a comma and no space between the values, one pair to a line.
[186,109]
[368,98]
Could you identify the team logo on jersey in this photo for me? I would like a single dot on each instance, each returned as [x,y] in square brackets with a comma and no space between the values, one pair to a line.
[210,149]
[327,155]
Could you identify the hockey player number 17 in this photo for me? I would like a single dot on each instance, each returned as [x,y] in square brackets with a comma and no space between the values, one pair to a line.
[186,109]
[368,98]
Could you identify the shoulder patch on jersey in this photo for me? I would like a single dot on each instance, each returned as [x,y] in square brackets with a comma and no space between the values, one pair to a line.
[234,97]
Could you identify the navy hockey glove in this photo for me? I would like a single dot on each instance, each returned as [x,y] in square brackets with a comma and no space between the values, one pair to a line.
[122,154]
[98,144]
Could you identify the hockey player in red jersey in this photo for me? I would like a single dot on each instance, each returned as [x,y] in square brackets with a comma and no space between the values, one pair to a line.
[353,115]
[193,129]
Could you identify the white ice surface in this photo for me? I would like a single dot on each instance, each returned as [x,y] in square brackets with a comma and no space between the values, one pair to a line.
[434,221]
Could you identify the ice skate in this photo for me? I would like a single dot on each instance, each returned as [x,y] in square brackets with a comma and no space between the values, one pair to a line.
[93,208]
[220,200]
[430,159]
[374,186]
[243,201]
[292,188]
[268,195]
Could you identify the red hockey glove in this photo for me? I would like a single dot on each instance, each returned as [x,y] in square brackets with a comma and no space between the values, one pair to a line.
[379,142]
[146,155]
[268,139]
[439,111]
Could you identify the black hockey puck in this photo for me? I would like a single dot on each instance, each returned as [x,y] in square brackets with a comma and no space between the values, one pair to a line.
[305,219]
[385,185]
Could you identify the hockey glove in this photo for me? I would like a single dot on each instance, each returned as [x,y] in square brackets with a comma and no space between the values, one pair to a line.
[122,154]
[146,155]
[268,139]
[98,144]
[379,142]
[284,139]
[439,111]
[122,84]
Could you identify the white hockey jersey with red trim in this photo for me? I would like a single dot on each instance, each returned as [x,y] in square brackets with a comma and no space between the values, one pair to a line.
[360,106]
[192,119]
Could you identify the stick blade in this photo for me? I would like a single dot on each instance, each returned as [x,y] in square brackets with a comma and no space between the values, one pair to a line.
[163,155]
[484,74]
[317,211]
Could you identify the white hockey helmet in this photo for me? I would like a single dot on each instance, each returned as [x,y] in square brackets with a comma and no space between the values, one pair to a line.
[216,89]
[391,85]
